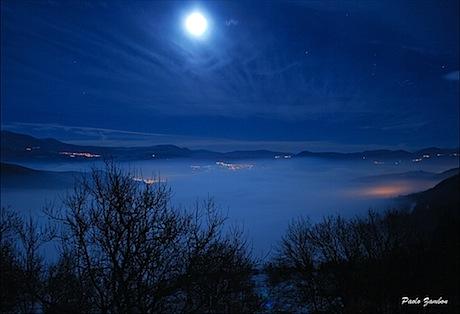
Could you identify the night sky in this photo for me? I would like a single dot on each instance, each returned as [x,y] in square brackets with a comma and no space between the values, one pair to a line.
[336,75]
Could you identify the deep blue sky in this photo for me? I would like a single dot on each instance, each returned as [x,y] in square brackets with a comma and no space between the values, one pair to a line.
[369,73]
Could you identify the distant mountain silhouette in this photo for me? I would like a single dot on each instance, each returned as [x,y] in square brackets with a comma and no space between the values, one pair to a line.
[383,154]
[411,175]
[15,176]
[17,146]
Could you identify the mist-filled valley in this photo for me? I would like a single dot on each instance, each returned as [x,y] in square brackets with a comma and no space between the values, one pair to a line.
[261,195]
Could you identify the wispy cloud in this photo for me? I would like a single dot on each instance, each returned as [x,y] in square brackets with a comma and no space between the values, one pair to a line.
[452,76]
[232,22]
[111,137]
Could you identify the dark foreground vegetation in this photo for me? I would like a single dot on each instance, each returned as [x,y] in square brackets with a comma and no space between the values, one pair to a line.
[123,248]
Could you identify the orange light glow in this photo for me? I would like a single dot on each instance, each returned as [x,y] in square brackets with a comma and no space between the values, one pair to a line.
[386,191]
[390,189]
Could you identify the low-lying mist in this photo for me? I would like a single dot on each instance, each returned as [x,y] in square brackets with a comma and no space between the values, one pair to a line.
[261,195]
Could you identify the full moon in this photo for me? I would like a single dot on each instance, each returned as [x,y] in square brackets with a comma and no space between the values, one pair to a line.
[196,24]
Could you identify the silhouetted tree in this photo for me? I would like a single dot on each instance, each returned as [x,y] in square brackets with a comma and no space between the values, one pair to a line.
[364,265]
[138,254]
[11,272]
[125,249]
[65,291]
[22,267]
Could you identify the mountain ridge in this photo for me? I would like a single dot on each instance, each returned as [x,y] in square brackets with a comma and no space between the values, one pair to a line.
[22,146]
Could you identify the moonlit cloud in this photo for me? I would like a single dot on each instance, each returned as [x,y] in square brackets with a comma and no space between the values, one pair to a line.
[232,22]
[452,76]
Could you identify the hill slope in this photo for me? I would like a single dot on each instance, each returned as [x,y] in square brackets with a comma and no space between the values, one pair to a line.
[14,176]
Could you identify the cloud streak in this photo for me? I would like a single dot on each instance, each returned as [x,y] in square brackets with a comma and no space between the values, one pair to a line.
[452,76]
[110,137]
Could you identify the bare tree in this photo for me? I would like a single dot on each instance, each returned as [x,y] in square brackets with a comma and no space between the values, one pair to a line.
[11,272]
[361,265]
[22,266]
[64,291]
[136,253]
